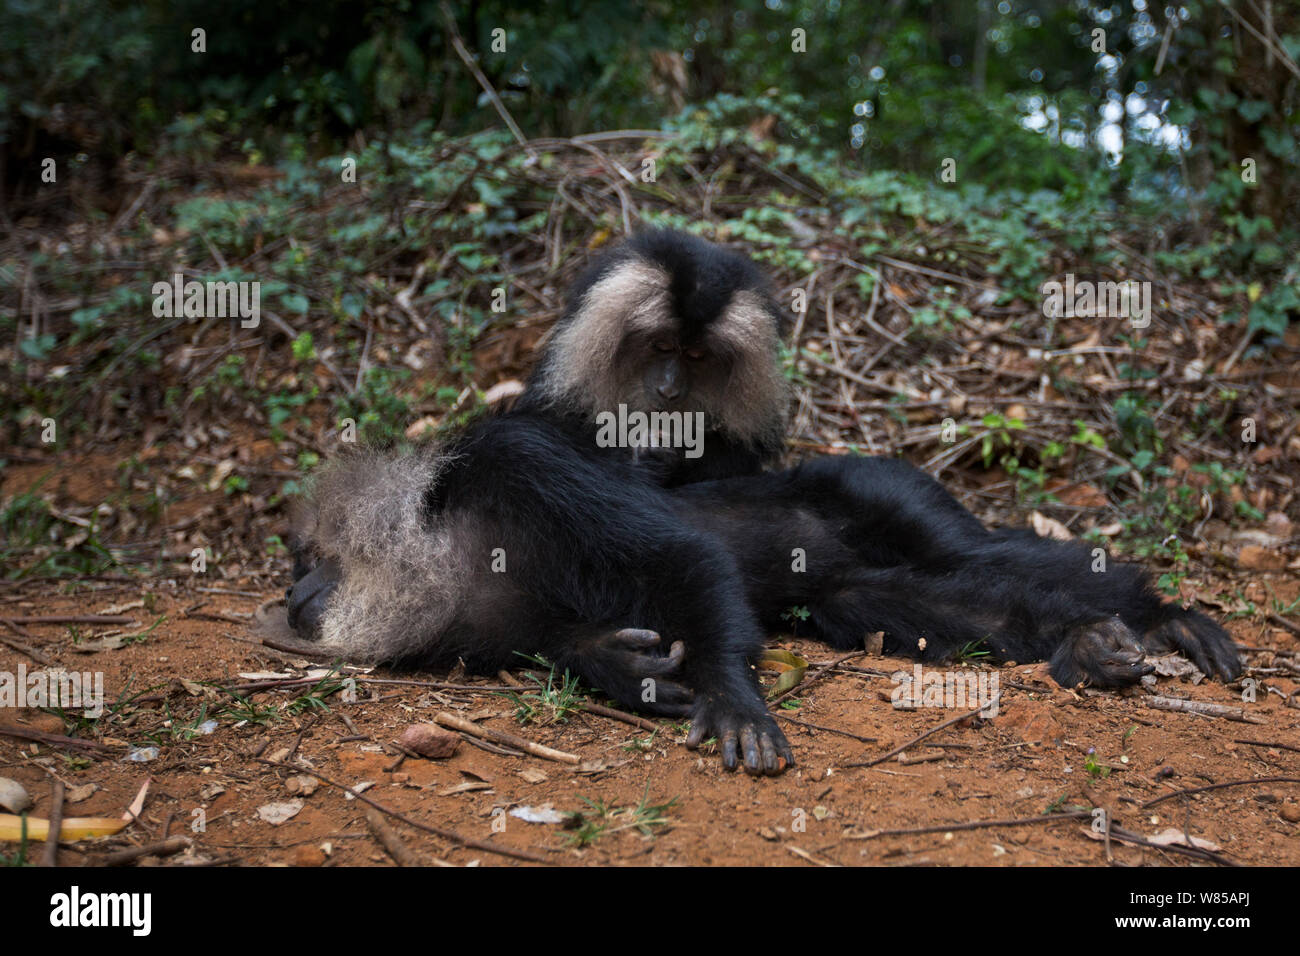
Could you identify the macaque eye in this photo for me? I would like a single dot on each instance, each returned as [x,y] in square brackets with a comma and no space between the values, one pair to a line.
[663,345]
[695,354]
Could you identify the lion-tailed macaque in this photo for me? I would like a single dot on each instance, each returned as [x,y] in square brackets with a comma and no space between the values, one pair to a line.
[517,538]
[882,546]
[513,538]
[530,532]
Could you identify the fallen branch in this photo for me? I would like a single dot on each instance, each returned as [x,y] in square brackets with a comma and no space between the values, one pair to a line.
[1136,839]
[259,686]
[830,730]
[805,855]
[974,825]
[602,711]
[1267,743]
[71,619]
[1283,623]
[933,730]
[51,855]
[1204,708]
[54,740]
[905,760]
[402,854]
[165,847]
[501,737]
[39,657]
[1220,786]
[459,46]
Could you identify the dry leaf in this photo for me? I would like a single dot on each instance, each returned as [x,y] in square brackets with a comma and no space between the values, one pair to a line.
[543,814]
[137,805]
[277,813]
[1172,837]
[465,787]
[1046,527]
[78,794]
[791,668]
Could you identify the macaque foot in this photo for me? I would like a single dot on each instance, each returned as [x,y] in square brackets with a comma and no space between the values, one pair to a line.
[630,665]
[744,733]
[1102,654]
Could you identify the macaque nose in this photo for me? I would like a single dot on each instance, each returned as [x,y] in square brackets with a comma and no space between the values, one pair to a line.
[668,380]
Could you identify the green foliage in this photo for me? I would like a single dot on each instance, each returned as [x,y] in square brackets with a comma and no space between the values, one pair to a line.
[19,855]
[377,407]
[1095,768]
[603,818]
[554,700]
[34,540]
[794,616]
[316,697]
[244,709]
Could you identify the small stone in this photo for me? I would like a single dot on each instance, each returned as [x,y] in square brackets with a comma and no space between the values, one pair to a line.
[13,796]
[429,740]
[1290,812]
[307,855]
[302,785]
[1254,558]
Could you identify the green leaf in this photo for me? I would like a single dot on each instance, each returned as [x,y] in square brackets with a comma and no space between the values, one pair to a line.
[295,302]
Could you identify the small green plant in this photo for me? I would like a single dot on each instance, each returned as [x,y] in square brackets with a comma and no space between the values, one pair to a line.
[1243,607]
[794,616]
[554,700]
[75,722]
[73,763]
[1096,769]
[973,651]
[36,541]
[999,435]
[602,818]
[314,699]
[141,636]
[641,745]
[1286,610]
[1169,583]
[178,731]
[19,856]
[303,349]
[282,407]
[377,407]
[250,711]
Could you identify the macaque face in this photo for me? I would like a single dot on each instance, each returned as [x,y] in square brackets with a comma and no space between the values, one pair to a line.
[677,327]
[671,372]
[660,372]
